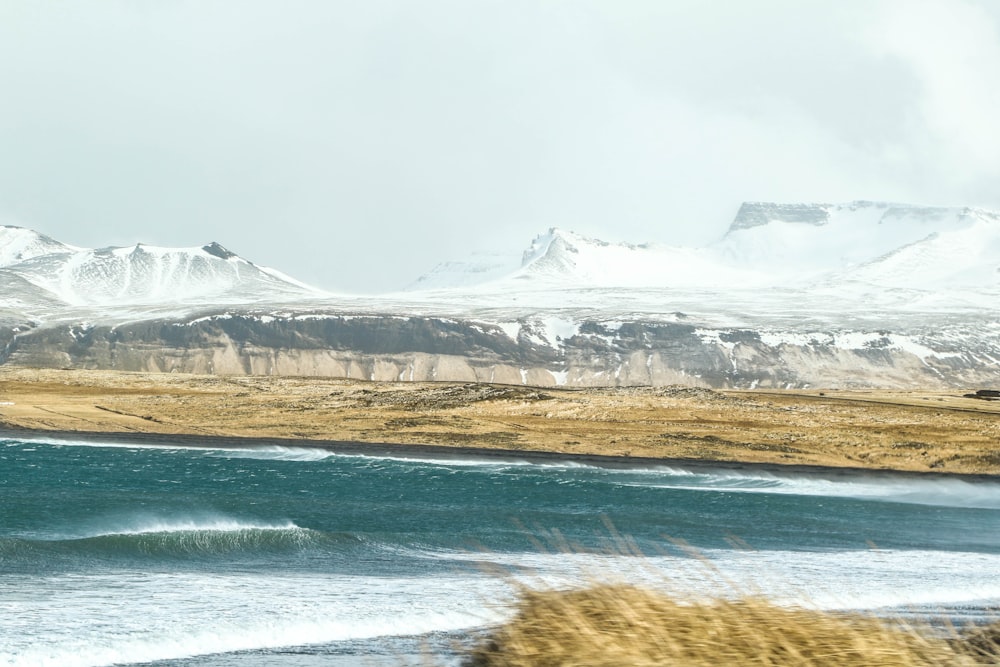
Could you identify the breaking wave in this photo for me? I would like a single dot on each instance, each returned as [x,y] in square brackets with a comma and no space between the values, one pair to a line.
[937,491]
[182,539]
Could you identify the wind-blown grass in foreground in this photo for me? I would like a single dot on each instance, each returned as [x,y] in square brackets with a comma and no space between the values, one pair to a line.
[606,625]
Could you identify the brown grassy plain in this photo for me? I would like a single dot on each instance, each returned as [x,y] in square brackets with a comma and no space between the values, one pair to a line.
[891,430]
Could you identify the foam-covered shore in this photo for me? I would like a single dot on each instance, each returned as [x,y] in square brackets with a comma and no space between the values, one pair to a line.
[451,454]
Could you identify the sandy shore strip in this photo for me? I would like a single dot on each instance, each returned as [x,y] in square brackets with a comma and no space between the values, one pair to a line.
[792,431]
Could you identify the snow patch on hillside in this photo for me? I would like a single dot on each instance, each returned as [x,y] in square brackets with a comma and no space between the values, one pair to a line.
[854,235]
[563,257]
[476,269]
[18,244]
[144,275]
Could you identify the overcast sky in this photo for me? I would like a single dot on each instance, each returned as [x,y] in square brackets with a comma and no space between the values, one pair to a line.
[355,145]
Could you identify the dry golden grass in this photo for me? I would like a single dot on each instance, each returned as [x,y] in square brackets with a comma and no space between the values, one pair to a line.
[983,643]
[919,431]
[618,625]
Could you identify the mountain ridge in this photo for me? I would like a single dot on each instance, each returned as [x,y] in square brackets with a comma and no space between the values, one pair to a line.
[140,274]
[854,295]
[766,245]
[20,243]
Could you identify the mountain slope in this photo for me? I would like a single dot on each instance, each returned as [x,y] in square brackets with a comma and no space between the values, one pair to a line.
[142,274]
[864,241]
[18,244]
[476,269]
[881,244]
[570,259]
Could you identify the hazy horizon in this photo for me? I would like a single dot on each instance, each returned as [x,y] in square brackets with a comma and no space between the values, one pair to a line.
[355,147]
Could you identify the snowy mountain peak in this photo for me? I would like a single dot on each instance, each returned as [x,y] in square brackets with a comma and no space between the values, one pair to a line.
[559,248]
[141,274]
[768,245]
[570,259]
[557,255]
[216,250]
[560,253]
[18,244]
[877,243]
[553,242]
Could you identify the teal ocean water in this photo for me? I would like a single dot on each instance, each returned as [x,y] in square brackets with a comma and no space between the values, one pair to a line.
[165,555]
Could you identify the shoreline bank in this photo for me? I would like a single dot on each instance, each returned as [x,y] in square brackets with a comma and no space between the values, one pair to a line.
[444,453]
[792,431]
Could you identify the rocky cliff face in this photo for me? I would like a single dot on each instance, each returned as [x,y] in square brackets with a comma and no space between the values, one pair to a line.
[394,348]
[756,214]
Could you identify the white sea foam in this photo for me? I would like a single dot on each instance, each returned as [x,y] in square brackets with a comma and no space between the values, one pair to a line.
[84,620]
[261,452]
[443,461]
[937,491]
[304,454]
[851,579]
[275,453]
[69,442]
[942,491]
[150,523]
[147,617]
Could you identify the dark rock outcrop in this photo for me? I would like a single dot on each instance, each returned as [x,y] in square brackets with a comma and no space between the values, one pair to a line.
[419,348]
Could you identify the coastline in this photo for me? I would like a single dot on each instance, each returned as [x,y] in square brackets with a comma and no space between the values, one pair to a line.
[182,415]
[464,453]
[792,432]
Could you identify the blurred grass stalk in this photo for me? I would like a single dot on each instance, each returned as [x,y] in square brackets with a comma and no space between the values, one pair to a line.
[618,624]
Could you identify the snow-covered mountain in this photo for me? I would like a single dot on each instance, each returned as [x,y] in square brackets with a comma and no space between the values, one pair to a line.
[828,295]
[771,245]
[562,258]
[18,244]
[141,275]
[888,245]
